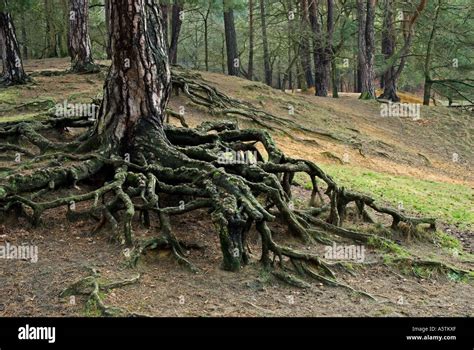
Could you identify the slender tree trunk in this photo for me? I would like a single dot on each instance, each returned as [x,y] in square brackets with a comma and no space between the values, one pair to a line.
[322,47]
[288,76]
[164,15]
[138,84]
[305,45]
[233,62]
[366,47]
[266,54]
[108,48]
[206,44]
[13,72]
[223,56]
[63,35]
[24,38]
[394,62]
[427,91]
[251,40]
[429,49]
[51,44]
[205,19]
[176,21]
[388,48]
[79,41]
[334,79]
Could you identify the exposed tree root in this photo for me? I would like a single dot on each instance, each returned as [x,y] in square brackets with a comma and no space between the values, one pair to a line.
[216,167]
[220,104]
[93,287]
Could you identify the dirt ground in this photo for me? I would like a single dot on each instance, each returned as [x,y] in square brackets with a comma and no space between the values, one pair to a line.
[66,250]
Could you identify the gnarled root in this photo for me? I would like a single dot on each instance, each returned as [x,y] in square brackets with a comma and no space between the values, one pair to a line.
[216,167]
[93,287]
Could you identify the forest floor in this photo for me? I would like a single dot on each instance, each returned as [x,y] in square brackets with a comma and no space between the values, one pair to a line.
[423,166]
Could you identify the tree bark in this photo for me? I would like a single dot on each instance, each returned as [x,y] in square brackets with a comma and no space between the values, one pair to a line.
[334,79]
[429,49]
[176,13]
[388,49]
[138,84]
[233,62]
[164,15]
[305,45]
[389,74]
[323,50]
[266,54]
[13,72]
[108,48]
[251,41]
[24,38]
[63,35]
[205,18]
[51,44]
[366,47]
[79,42]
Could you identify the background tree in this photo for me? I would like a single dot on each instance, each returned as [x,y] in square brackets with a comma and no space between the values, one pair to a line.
[394,62]
[13,72]
[445,42]
[305,46]
[322,42]
[79,40]
[266,54]
[251,40]
[233,60]
[177,15]
[51,47]
[366,47]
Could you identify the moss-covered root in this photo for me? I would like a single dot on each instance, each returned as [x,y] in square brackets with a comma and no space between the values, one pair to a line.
[93,287]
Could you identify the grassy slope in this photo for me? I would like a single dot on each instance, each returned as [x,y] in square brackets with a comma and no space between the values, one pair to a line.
[449,196]
[451,203]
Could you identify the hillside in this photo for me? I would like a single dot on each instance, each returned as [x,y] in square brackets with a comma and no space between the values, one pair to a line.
[400,161]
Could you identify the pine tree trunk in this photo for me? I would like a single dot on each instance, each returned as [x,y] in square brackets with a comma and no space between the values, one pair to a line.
[51,44]
[366,47]
[427,91]
[176,21]
[251,41]
[322,43]
[24,38]
[233,63]
[108,48]
[138,84]
[266,54]
[305,45]
[13,72]
[206,43]
[78,40]
[388,49]
[63,36]
[164,15]
[334,79]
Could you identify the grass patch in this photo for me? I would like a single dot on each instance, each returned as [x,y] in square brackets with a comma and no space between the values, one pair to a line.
[452,203]
[9,96]
[20,117]
[447,241]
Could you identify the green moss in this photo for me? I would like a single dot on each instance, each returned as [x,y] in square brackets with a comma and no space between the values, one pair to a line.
[388,246]
[15,118]
[447,241]
[451,203]
[9,96]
